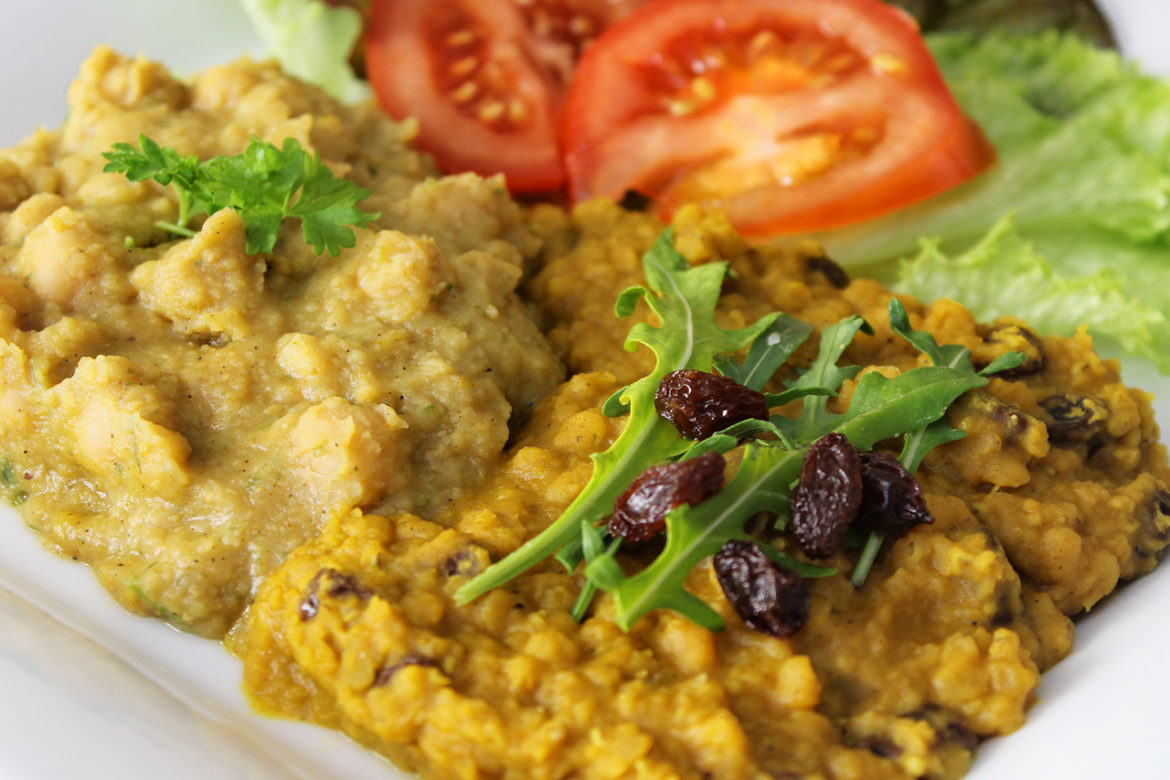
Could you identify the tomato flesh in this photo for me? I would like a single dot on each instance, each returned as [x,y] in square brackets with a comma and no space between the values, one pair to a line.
[790,116]
[484,78]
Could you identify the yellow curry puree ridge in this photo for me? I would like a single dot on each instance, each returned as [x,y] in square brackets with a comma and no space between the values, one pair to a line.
[307,456]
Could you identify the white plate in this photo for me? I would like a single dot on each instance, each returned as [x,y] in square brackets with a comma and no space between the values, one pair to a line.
[88,691]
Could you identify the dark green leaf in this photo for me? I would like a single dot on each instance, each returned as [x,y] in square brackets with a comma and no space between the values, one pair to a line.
[684,299]
[720,442]
[748,428]
[263,184]
[1079,16]
[614,406]
[1004,362]
[695,532]
[571,554]
[601,568]
[952,355]
[822,379]
[793,393]
[768,352]
[803,568]
[882,408]
[915,445]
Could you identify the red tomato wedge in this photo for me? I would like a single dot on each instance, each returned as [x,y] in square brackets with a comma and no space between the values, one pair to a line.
[790,115]
[485,78]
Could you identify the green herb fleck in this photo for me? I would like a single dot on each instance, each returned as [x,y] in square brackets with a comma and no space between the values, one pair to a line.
[164,613]
[17,495]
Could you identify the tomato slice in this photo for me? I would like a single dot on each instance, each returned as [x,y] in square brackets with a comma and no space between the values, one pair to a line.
[791,116]
[486,79]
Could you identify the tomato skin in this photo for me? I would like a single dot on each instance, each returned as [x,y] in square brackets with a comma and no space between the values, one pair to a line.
[503,113]
[402,69]
[783,143]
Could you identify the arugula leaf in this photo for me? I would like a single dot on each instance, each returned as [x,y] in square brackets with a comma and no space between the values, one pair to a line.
[264,184]
[768,352]
[683,298]
[916,445]
[953,355]
[825,377]
[911,405]
[732,435]
[880,409]
[761,483]
[954,361]
[614,406]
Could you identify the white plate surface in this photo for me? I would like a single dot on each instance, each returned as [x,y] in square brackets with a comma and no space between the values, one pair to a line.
[88,691]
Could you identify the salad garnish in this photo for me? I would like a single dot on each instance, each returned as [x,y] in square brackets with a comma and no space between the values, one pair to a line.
[909,406]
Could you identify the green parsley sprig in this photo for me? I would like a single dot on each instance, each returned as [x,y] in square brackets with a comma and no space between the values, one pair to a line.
[264,184]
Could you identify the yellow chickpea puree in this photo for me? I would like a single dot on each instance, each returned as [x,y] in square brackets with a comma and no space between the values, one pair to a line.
[307,456]
[901,678]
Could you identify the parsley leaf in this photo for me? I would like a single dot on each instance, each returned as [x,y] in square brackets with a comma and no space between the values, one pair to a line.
[264,184]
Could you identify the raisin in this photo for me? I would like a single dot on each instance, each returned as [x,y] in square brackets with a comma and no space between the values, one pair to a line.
[1154,522]
[1007,607]
[947,727]
[1016,338]
[880,746]
[633,200]
[462,562]
[412,659]
[339,585]
[1075,418]
[828,268]
[827,496]
[312,599]
[641,511]
[346,585]
[699,403]
[892,501]
[771,599]
[959,732]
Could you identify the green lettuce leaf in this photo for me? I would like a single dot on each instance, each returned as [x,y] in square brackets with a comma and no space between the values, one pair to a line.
[1083,171]
[1080,16]
[313,41]
[1050,302]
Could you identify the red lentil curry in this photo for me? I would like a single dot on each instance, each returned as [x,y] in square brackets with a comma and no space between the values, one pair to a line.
[307,456]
